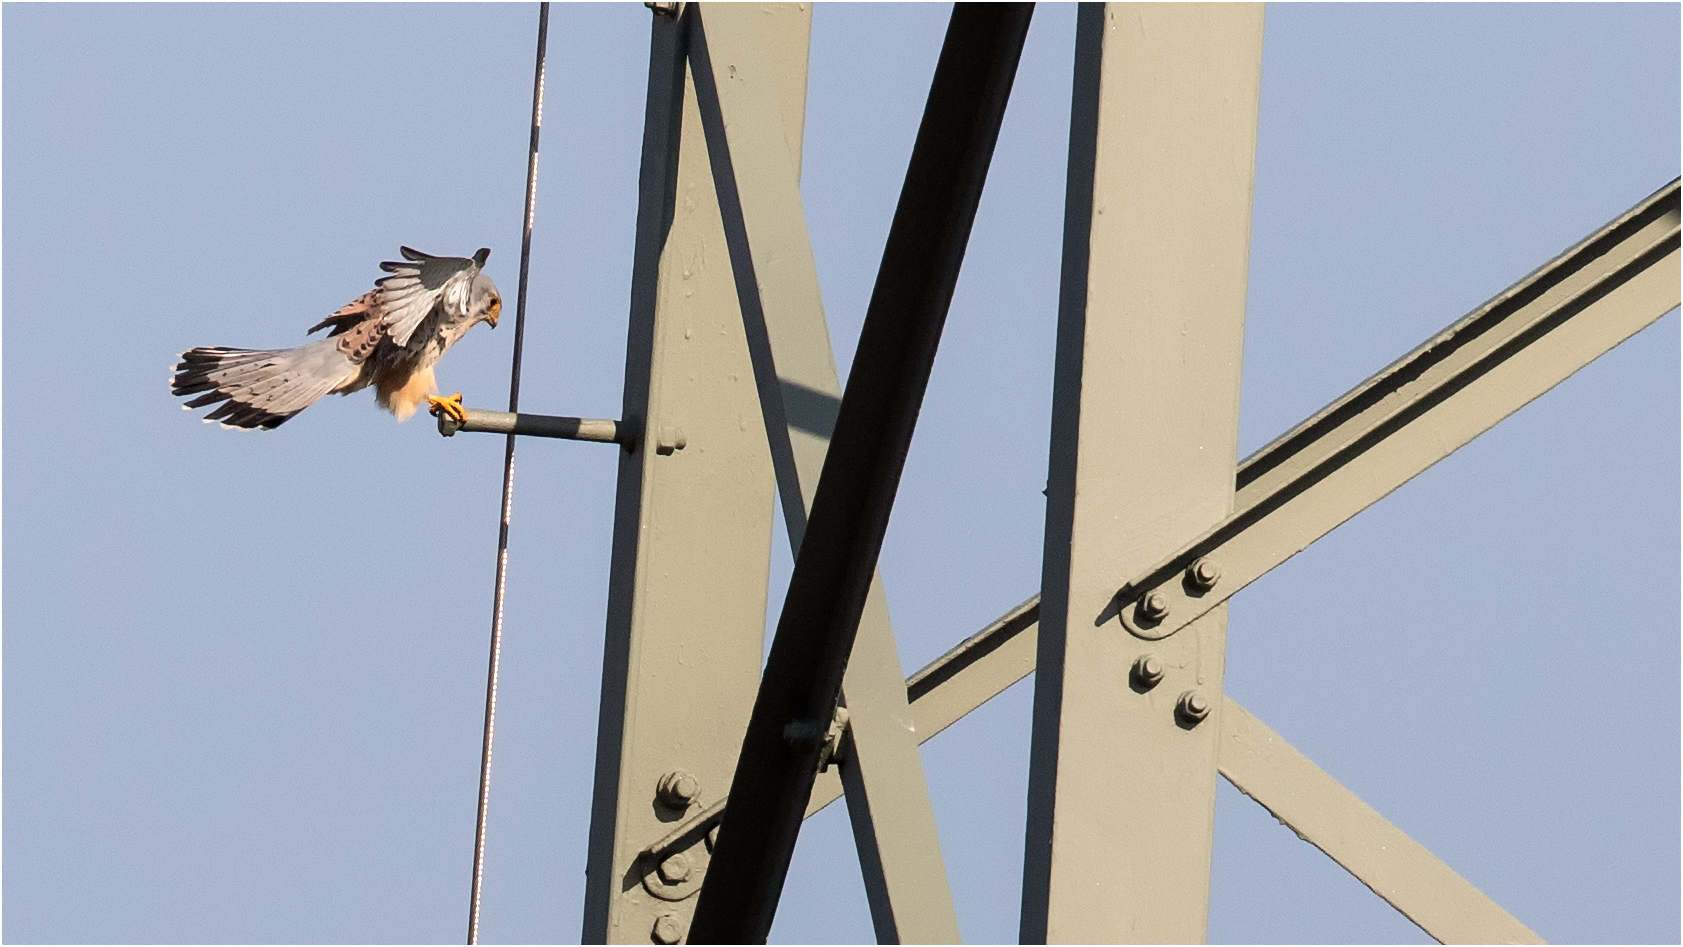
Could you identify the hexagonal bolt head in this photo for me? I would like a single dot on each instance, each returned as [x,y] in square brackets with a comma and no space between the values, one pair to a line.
[678,789]
[675,869]
[667,929]
[1154,607]
[1148,671]
[1203,574]
[1193,706]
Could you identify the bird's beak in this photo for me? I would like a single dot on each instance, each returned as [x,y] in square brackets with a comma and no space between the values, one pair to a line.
[492,316]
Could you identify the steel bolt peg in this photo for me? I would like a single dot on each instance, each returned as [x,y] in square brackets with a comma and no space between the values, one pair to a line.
[1154,607]
[678,789]
[675,869]
[1193,706]
[1148,671]
[669,439]
[1203,574]
[666,929]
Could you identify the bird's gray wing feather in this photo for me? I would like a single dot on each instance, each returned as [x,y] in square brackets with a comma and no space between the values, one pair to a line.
[418,285]
[262,388]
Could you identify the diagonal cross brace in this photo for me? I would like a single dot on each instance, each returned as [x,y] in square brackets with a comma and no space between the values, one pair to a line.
[758,187]
[1335,820]
[849,515]
[1422,408]
[1622,302]
[1262,765]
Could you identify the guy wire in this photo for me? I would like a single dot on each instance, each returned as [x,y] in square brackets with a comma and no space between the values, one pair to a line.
[508,483]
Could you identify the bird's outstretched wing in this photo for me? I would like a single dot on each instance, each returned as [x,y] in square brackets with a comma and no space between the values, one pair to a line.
[352,315]
[421,283]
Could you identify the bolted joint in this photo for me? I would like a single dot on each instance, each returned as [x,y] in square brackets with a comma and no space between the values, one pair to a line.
[1148,671]
[1192,707]
[1203,574]
[804,735]
[667,928]
[675,869]
[677,789]
[808,735]
[1154,607]
[669,439]
[834,750]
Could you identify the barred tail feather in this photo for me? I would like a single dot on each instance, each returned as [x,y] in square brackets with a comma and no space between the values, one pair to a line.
[260,388]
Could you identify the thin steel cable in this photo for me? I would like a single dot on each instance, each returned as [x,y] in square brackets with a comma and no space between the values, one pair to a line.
[508,484]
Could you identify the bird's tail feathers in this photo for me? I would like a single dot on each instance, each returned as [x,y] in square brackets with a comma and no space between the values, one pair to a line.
[260,388]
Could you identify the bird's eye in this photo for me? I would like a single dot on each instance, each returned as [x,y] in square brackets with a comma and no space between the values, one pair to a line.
[496,303]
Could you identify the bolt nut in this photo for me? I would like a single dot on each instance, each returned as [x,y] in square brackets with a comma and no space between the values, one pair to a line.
[1203,574]
[1154,607]
[1148,670]
[669,439]
[678,789]
[666,929]
[1193,706]
[675,869]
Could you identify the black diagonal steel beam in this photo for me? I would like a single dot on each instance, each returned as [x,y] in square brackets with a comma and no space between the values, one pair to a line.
[838,555]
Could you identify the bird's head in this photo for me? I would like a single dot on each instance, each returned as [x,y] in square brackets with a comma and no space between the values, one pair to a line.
[484,299]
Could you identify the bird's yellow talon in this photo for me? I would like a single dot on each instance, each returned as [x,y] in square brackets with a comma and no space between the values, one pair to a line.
[451,406]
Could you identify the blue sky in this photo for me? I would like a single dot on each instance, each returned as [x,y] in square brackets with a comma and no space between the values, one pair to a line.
[243,673]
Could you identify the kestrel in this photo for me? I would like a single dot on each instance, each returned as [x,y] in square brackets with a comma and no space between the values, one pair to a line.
[390,337]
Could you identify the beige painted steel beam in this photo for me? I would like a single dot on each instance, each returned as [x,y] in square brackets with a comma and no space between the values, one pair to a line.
[1260,764]
[1145,421]
[1422,408]
[1336,821]
[1000,655]
[1333,819]
[756,167]
[692,530]
[1003,653]
[976,671]
[1634,281]
[1587,300]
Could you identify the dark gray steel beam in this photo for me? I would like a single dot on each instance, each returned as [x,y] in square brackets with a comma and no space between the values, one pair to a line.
[759,193]
[861,473]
